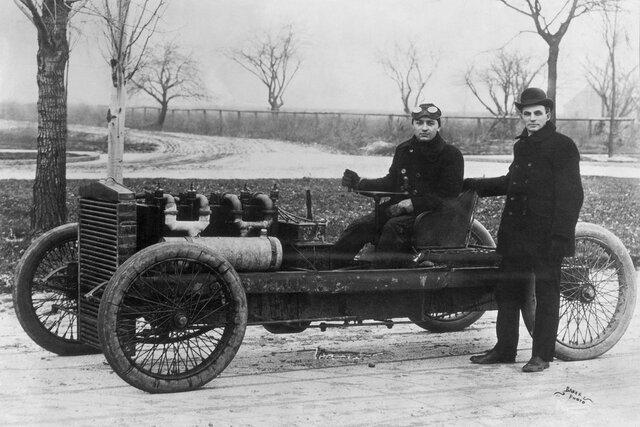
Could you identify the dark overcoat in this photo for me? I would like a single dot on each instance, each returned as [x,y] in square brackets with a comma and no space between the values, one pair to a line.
[544,195]
[430,171]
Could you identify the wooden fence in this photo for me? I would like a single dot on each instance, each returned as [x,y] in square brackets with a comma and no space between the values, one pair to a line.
[148,115]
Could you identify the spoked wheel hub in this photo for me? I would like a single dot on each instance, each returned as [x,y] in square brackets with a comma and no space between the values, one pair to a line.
[587,293]
[180,320]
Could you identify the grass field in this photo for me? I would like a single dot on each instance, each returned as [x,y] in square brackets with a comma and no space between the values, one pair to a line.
[610,202]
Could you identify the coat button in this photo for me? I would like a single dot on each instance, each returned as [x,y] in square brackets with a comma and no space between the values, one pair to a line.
[510,213]
[417,174]
[415,192]
[516,166]
[513,183]
[512,198]
[403,170]
[529,164]
[526,181]
[411,150]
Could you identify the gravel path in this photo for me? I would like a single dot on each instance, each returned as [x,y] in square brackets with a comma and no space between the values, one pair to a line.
[181,155]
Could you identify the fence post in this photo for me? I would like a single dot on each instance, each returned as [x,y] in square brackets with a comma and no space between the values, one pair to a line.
[221,124]
[239,118]
[590,127]
[317,119]
[478,126]
[144,115]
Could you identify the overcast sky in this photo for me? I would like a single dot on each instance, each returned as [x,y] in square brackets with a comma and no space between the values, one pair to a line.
[340,44]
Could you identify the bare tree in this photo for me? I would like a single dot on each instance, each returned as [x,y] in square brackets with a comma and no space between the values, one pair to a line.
[409,69]
[167,75]
[273,58]
[617,89]
[554,25]
[503,80]
[128,26]
[627,93]
[51,19]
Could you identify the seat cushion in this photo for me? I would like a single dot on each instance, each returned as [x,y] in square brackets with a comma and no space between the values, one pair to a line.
[447,227]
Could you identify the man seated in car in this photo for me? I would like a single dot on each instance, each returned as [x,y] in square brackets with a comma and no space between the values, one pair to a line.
[424,167]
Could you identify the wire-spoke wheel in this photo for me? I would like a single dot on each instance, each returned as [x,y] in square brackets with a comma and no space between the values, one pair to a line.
[457,321]
[597,295]
[45,292]
[172,317]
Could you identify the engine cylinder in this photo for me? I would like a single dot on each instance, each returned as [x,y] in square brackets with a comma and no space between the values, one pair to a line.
[243,253]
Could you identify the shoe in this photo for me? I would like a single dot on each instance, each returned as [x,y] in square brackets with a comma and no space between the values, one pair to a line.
[536,364]
[491,357]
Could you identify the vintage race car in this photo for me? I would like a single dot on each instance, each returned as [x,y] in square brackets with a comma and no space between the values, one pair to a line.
[165,285]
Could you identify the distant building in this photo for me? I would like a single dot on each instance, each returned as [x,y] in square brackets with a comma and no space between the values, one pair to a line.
[585,104]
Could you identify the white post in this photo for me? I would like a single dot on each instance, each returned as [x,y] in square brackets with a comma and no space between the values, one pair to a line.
[117,107]
[116,129]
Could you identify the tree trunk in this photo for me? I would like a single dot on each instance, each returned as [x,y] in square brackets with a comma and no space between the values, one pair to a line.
[162,115]
[612,112]
[50,186]
[552,75]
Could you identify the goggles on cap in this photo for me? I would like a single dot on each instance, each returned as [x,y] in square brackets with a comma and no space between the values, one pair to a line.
[426,110]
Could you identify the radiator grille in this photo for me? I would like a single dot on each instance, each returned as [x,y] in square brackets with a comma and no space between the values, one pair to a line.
[107,237]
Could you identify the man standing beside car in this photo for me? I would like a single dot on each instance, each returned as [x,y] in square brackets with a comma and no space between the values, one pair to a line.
[537,229]
[426,169]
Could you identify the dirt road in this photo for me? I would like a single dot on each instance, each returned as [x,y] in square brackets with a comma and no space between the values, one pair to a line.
[180,155]
[367,376]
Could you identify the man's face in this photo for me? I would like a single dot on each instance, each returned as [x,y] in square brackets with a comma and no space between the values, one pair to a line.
[535,117]
[425,129]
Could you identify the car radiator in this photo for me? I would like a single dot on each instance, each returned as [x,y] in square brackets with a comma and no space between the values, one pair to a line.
[107,237]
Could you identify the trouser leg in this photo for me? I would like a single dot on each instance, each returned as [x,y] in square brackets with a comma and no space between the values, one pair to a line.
[547,288]
[510,297]
[353,238]
[395,240]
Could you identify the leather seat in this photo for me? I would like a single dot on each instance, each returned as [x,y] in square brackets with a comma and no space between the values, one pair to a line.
[449,226]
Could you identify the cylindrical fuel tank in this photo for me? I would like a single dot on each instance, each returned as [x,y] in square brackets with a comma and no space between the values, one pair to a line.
[243,253]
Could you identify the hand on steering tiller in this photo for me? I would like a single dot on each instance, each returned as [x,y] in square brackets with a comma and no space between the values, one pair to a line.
[350,179]
[403,207]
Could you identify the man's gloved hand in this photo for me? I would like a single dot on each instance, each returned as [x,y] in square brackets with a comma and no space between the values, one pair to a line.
[469,184]
[556,248]
[403,207]
[350,179]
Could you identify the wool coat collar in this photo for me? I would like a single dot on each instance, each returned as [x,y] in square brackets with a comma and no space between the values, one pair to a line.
[433,146]
[547,130]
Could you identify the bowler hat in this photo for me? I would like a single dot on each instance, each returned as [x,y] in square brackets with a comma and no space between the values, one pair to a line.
[533,96]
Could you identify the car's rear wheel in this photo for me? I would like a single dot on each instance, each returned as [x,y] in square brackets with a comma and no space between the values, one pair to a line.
[457,321]
[597,295]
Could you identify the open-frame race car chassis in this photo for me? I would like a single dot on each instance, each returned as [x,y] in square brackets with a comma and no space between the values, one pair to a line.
[170,316]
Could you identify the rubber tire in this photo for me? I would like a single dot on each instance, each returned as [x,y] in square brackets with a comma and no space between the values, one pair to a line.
[287,328]
[22,298]
[463,319]
[118,286]
[624,309]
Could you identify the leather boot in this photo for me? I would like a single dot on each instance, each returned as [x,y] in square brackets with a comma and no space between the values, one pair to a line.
[535,364]
[491,357]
